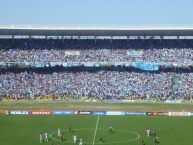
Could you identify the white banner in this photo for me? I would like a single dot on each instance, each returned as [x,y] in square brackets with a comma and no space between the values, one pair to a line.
[71,52]
[115,113]
[179,113]
[16,112]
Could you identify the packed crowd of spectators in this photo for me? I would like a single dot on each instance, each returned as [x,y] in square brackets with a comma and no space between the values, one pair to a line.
[91,51]
[100,84]
[98,55]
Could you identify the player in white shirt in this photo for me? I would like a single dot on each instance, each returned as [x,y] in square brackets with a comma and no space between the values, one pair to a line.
[59,132]
[80,143]
[46,136]
[148,132]
[74,138]
[41,138]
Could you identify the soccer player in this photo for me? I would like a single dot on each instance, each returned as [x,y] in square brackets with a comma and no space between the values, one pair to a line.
[142,141]
[101,139]
[74,139]
[111,130]
[80,143]
[62,136]
[59,132]
[41,138]
[156,140]
[148,132]
[69,128]
[46,136]
[153,132]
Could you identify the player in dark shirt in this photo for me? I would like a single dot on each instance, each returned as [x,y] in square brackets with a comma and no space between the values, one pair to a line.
[70,128]
[142,141]
[62,136]
[101,139]
[111,130]
[156,140]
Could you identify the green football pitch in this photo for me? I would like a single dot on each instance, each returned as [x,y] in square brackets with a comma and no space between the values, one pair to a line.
[127,130]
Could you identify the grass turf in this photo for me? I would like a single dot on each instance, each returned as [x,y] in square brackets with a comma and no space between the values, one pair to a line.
[25,130]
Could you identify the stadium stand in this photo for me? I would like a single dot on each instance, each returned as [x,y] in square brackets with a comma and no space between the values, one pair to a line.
[111,83]
[91,51]
[97,85]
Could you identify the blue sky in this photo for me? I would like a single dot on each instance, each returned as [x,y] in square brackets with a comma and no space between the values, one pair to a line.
[97,12]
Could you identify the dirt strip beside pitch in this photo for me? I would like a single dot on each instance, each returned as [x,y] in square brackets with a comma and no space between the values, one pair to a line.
[96,106]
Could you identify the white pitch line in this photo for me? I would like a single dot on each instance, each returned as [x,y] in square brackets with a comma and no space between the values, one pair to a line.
[95,131]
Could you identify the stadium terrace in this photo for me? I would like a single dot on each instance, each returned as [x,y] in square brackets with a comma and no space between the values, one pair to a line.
[99,63]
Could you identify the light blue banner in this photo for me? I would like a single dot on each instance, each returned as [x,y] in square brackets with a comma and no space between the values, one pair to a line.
[146,66]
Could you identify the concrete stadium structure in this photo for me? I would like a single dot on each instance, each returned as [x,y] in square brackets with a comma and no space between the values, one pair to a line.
[59,30]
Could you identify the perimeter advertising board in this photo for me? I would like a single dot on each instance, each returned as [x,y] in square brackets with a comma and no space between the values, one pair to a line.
[157,113]
[60,112]
[4,112]
[19,112]
[115,113]
[135,113]
[82,112]
[148,113]
[162,113]
[179,113]
[34,112]
[99,113]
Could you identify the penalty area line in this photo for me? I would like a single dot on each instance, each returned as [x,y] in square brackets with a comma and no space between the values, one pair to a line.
[95,130]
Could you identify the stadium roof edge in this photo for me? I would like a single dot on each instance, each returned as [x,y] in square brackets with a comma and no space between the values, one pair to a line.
[61,30]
